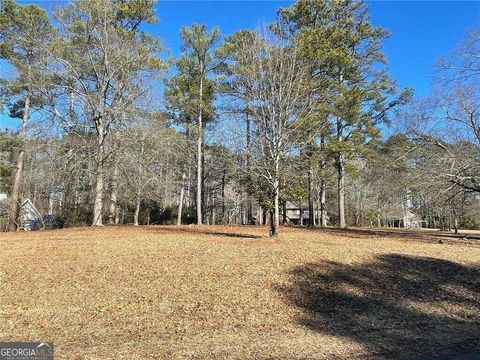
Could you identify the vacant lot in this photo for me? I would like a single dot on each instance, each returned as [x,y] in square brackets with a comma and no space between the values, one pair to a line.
[228,292]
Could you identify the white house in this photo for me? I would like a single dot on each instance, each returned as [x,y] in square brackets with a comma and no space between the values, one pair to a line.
[28,214]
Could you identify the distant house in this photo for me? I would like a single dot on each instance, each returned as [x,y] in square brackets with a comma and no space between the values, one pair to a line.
[410,220]
[29,215]
[3,196]
[296,211]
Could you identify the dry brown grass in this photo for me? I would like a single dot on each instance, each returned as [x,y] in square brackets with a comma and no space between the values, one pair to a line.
[229,292]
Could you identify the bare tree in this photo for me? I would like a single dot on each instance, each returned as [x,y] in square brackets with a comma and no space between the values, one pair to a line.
[145,162]
[24,31]
[276,81]
[447,125]
[464,62]
[103,61]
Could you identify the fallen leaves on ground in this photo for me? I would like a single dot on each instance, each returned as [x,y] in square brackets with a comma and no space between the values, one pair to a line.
[216,292]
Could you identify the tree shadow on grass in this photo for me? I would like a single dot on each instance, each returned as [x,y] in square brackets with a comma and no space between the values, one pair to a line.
[202,230]
[406,234]
[397,306]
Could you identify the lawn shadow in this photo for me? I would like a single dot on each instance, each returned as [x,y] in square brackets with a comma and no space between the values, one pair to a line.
[421,235]
[204,231]
[399,307]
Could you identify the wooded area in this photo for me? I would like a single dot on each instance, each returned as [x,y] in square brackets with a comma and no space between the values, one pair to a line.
[301,114]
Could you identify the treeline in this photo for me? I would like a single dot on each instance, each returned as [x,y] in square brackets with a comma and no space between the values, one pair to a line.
[239,129]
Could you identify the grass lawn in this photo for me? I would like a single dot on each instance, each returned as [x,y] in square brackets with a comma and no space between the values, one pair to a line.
[229,292]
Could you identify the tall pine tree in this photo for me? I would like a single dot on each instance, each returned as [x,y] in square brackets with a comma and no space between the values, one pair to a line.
[344,50]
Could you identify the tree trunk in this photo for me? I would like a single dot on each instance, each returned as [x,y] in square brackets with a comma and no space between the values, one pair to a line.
[323,203]
[323,187]
[122,219]
[249,168]
[137,212]
[341,171]
[17,183]
[199,154]
[224,176]
[113,196]
[204,192]
[301,213]
[284,213]
[341,191]
[180,202]
[188,190]
[99,175]
[311,211]
[50,204]
[275,222]
[98,204]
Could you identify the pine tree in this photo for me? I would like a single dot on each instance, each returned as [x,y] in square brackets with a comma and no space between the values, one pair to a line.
[344,50]
[191,92]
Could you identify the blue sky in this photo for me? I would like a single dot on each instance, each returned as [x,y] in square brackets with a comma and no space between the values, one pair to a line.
[421,31]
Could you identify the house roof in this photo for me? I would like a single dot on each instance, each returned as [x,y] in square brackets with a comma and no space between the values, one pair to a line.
[27,205]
